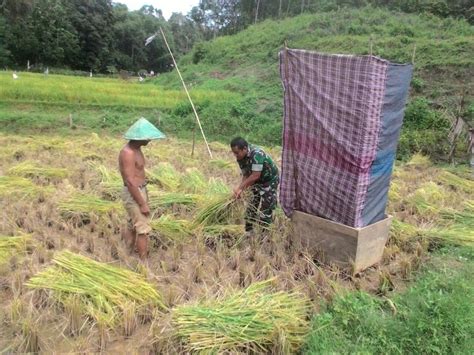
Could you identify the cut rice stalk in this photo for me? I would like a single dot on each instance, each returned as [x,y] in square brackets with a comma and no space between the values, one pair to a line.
[171,229]
[167,199]
[193,181]
[219,210]
[20,187]
[85,205]
[30,169]
[165,175]
[456,182]
[249,320]
[10,246]
[104,290]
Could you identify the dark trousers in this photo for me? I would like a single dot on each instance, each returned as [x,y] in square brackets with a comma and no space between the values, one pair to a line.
[261,205]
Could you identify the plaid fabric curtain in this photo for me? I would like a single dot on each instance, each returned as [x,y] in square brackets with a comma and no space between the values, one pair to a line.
[342,114]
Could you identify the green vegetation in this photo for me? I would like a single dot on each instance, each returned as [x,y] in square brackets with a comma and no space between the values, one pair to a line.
[235,84]
[433,316]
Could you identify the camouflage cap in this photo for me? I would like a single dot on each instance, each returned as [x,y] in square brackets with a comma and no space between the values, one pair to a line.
[143,130]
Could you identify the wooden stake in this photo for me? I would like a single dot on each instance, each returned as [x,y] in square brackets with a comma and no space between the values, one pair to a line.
[371,44]
[413,55]
[187,93]
[194,139]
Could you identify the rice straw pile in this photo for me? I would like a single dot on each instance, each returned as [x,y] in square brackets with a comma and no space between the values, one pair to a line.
[103,290]
[167,199]
[193,181]
[12,245]
[427,199]
[217,186]
[111,183]
[252,320]
[221,163]
[171,229]
[85,205]
[31,170]
[456,182]
[19,186]
[166,176]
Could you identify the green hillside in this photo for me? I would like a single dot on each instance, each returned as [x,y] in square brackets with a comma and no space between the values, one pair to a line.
[247,63]
[235,83]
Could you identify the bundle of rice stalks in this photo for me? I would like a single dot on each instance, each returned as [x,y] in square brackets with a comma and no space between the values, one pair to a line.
[21,187]
[111,183]
[461,218]
[394,194]
[221,209]
[252,320]
[166,199]
[84,206]
[166,176]
[103,290]
[193,181]
[456,234]
[419,161]
[10,246]
[29,169]
[222,164]
[427,199]
[171,229]
[456,182]
[217,186]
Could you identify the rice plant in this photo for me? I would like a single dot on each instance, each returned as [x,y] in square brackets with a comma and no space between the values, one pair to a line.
[30,169]
[171,229]
[252,320]
[104,291]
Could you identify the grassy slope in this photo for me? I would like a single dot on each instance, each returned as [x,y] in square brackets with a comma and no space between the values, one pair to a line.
[235,83]
[435,315]
[246,63]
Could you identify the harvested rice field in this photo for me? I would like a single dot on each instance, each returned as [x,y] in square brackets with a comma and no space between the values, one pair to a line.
[68,283]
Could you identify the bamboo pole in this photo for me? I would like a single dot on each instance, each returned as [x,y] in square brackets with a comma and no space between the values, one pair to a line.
[187,93]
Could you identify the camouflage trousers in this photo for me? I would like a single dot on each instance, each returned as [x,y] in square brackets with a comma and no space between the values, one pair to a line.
[262,203]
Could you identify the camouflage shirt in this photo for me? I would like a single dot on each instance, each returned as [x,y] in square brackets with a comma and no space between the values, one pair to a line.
[258,160]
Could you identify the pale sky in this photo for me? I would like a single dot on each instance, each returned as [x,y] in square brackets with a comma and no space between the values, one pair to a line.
[167,6]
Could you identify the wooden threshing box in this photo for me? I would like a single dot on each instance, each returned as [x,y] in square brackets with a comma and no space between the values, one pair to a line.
[359,248]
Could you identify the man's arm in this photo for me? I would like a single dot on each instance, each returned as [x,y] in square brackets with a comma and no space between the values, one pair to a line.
[247,182]
[128,166]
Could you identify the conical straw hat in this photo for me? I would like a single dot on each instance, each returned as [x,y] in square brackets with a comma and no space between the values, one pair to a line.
[143,130]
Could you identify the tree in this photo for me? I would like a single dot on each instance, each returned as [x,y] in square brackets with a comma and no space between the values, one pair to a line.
[4,52]
[93,20]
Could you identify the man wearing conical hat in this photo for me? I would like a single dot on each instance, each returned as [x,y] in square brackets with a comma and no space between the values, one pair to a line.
[134,193]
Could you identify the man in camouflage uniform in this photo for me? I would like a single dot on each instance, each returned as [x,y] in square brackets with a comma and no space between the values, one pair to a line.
[260,174]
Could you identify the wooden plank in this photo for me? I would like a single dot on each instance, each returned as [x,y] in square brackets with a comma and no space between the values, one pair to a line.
[371,243]
[358,248]
[320,235]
